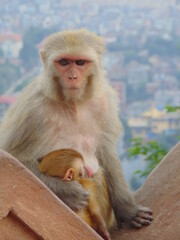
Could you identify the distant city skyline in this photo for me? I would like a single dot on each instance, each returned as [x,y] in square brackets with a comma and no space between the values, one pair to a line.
[142,39]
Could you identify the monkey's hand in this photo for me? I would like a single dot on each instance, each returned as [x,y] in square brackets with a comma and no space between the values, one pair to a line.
[70,192]
[136,217]
[142,218]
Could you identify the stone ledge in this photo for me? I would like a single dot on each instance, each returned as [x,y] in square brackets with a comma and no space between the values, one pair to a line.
[160,192]
[29,210]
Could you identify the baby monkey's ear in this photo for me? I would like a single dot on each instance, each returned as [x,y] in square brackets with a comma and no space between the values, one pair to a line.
[69,174]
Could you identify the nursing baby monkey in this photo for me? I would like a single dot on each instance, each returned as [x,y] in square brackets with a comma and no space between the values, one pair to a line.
[72,105]
[69,166]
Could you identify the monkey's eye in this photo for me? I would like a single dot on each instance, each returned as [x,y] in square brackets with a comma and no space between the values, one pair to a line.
[64,62]
[80,62]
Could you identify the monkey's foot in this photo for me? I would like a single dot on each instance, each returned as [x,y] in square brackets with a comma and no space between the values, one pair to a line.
[142,218]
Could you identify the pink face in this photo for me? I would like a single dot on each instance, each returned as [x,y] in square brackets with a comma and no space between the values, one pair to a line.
[73,71]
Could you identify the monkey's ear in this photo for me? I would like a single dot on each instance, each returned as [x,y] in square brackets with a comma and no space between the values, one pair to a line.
[69,174]
[100,47]
[43,55]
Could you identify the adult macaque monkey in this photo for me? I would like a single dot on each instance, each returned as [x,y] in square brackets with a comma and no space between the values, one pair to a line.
[71,105]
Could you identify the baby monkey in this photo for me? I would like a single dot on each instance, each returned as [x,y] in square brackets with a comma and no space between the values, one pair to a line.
[68,164]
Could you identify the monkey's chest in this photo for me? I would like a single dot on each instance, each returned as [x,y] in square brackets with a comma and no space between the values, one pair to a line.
[81,135]
[79,130]
[84,144]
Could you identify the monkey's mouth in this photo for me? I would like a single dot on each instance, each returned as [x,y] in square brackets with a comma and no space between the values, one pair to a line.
[73,88]
[71,91]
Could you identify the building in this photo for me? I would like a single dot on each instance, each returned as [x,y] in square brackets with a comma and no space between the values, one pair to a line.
[154,122]
[11,45]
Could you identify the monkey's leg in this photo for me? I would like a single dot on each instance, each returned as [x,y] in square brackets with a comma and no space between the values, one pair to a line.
[122,200]
[96,215]
[99,221]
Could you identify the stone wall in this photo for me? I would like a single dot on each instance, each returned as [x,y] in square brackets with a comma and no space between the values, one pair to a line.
[29,210]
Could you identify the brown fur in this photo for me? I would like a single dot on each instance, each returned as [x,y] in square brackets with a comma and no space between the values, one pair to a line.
[98,214]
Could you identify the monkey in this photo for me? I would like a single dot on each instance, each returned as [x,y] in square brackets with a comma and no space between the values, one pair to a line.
[72,105]
[68,165]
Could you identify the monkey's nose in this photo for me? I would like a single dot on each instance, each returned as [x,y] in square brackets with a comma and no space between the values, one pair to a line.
[72,77]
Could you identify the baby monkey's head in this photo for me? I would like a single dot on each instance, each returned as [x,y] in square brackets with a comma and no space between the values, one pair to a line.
[67,164]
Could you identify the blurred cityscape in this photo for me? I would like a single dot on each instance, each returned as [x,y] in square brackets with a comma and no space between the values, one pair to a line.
[142,58]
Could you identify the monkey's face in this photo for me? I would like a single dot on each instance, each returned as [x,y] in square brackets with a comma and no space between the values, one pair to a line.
[81,170]
[73,72]
[72,59]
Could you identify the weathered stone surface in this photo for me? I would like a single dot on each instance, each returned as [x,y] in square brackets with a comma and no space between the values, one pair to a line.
[160,192]
[29,210]
[11,228]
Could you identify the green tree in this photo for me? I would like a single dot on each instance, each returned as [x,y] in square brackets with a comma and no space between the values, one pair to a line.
[172,109]
[152,151]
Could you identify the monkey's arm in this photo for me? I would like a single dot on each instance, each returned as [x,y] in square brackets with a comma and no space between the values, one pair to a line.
[122,200]
[70,192]
[21,134]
